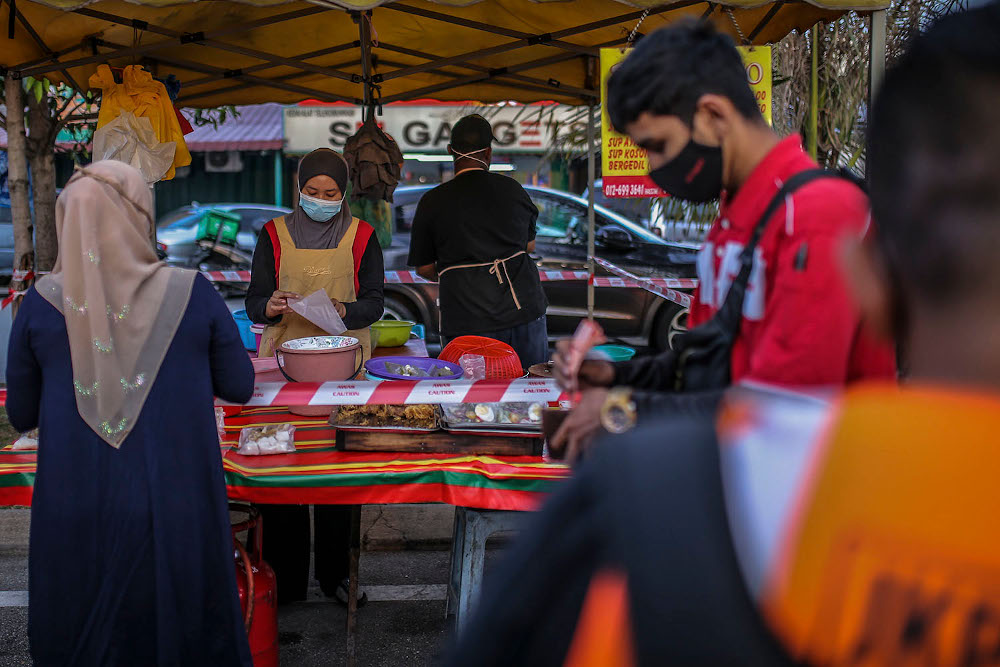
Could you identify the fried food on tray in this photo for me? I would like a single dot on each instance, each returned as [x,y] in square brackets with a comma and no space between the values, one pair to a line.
[408,416]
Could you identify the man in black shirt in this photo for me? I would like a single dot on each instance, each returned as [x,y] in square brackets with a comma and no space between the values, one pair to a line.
[474,234]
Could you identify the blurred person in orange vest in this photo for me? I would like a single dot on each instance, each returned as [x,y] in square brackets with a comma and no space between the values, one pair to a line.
[851,528]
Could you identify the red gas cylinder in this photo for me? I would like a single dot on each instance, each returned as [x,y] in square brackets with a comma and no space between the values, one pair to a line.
[258,589]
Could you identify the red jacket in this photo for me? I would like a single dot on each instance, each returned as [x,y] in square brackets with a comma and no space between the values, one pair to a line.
[800,325]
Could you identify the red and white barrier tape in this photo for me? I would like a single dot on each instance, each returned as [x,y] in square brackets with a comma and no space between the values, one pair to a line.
[664,287]
[9,299]
[410,277]
[404,392]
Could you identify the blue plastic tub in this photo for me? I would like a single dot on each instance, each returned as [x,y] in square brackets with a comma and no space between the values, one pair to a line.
[376,368]
[616,352]
[243,323]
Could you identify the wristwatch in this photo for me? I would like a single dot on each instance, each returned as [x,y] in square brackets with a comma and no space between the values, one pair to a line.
[618,412]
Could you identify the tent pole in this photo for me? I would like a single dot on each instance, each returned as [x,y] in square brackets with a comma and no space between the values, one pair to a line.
[263,66]
[536,41]
[278,83]
[876,55]
[591,178]
[814,95]
[279,176]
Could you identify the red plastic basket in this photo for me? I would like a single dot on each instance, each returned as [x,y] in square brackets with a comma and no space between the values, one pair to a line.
[502,362]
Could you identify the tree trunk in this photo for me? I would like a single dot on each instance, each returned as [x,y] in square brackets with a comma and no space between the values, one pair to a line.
[17,180]
[42,145]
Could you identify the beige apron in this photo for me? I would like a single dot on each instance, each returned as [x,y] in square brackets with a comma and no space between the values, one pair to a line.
[304,272]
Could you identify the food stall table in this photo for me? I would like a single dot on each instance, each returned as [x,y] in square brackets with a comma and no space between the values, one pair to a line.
[317,473]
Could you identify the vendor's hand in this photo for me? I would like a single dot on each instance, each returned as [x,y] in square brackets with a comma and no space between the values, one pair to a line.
[592,373]
[578,430]
[277,305]
[340,308]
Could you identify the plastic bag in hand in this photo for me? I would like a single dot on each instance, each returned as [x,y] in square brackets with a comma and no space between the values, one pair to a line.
[131,140]
[318,309]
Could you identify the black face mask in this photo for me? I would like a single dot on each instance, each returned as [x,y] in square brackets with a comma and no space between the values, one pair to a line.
[695,174]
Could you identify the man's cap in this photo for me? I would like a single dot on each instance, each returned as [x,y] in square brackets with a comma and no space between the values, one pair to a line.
[472,133]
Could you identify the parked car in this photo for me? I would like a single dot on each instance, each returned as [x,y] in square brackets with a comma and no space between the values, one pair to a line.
[177,232]
[631,315]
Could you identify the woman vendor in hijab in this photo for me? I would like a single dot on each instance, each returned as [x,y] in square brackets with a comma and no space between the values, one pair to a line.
[319,246]
[117,358]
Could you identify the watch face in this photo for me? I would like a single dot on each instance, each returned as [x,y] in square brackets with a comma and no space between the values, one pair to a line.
[617,419]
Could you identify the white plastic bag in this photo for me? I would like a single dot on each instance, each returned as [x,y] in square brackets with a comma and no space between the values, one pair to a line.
[473,365]
[261,440]
[131,140]
[220,423]
[318,309]
[28,441]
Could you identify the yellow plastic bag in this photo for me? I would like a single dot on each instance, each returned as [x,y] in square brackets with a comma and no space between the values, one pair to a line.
[145,97]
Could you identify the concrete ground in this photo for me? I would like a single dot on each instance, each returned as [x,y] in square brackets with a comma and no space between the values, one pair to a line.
[403,623]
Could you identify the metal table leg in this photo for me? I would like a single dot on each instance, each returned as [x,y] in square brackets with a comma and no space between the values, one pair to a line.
[472,529]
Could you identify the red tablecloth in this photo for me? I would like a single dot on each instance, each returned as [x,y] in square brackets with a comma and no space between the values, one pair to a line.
[318,474]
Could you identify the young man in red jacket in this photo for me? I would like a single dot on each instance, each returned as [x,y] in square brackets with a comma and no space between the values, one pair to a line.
[682,95]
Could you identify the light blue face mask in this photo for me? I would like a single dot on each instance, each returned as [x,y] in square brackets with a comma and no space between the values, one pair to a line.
[320,210]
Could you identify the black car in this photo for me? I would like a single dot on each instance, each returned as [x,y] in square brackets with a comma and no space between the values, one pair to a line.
[631,315]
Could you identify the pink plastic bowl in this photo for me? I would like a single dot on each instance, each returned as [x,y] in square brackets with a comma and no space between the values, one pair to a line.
[319,359]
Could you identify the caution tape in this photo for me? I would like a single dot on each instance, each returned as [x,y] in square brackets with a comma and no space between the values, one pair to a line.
[9,299]
[411,278]
[667,288]
[405,392]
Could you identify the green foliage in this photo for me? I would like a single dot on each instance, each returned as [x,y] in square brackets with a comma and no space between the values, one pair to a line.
[215,117]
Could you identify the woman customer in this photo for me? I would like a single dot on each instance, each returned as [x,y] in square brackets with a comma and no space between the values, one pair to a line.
[116,358]
[319,246]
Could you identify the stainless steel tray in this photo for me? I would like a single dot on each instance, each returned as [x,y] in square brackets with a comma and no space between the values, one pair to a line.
[419,430]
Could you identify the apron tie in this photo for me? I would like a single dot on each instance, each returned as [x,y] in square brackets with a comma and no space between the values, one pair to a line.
[495,267]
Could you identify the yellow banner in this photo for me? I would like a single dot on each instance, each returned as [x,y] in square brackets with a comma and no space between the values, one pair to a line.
[758,63]
[624,169]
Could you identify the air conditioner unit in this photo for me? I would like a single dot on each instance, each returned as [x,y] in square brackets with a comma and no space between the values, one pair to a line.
[224,161]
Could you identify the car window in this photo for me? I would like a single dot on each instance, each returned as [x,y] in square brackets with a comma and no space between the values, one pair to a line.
[254,219]
[171,219]
[6,234]
[558,221]
[404,207]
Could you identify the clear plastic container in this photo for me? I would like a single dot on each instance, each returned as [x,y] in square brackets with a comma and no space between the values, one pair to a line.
[263,440]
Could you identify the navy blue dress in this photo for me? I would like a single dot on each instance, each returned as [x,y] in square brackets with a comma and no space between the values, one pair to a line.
[131,557]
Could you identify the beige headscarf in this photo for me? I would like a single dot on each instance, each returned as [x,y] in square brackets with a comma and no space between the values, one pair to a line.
[122,306]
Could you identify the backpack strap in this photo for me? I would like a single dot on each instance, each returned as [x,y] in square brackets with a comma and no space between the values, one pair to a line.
[731,312]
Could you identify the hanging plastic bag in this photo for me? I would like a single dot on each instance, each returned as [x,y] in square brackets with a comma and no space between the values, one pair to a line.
[473,365]
[131,140]
[318,309]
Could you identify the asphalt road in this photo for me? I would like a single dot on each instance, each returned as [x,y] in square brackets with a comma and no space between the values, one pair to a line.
[391,631]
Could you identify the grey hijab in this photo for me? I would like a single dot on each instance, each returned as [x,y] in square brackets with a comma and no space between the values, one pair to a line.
[306,233]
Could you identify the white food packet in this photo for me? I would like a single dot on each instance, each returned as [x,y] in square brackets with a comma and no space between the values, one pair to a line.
[318,309]
[473,365]
[28,441]
[220,423]
[261,440]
